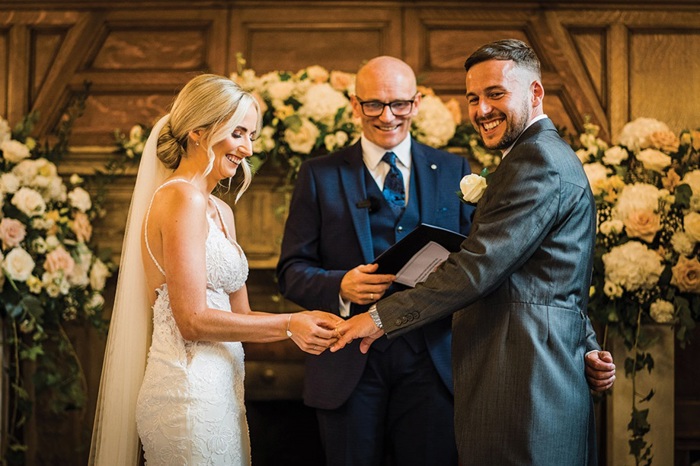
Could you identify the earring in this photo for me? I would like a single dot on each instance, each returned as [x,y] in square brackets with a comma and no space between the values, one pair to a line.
[196,143]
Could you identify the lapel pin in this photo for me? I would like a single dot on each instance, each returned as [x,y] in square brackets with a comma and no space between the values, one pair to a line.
[433,166]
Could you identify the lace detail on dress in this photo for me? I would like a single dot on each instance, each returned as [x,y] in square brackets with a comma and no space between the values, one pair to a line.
[190,409]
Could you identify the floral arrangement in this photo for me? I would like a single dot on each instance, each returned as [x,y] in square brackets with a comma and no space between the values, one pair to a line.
[131,146]
[646,269]
[51,276]
[308,113]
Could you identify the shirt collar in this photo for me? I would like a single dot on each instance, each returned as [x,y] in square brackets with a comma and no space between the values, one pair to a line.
[536,119]
[372,154]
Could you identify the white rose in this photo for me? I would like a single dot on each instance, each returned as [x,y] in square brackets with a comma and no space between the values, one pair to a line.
[9,183]
[18,264]
[610,227]
[596,173]
[95,303]
[472,187]
[52,242]
[691,225]
[661,311]
[14,151]
[29,202]
[615,155]
[653,159]
[692,179]
[303,140]
[632,265]
[80,199]
[98,275]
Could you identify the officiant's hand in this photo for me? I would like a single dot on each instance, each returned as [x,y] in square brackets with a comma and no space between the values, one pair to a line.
[314,331]
[600,370]
[362,286]
[360,326]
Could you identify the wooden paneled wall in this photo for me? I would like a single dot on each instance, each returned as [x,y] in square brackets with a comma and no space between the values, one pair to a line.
[607,61]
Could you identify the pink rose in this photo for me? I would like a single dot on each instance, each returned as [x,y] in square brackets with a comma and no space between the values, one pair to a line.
[59,259]
[12,232]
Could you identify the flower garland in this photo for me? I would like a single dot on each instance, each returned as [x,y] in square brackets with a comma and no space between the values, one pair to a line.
[646,268]
[51,276]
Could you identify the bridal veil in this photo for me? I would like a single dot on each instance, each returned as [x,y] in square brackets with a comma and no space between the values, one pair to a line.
[114,436]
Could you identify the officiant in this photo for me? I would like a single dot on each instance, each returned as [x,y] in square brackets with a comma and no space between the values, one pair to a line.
[395,403]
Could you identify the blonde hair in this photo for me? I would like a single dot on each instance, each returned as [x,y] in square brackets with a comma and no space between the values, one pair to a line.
[213,104]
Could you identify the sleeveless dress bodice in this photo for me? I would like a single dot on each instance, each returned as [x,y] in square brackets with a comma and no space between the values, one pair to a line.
[190,409]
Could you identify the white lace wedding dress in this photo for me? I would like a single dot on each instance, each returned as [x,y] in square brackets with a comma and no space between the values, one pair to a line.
[190,408]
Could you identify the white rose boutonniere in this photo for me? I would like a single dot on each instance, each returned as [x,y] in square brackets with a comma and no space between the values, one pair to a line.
[472,187]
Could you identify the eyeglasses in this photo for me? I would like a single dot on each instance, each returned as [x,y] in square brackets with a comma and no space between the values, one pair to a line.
[374,108]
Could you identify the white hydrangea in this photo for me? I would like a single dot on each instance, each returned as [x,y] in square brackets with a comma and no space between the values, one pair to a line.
[321,103]
[661,311]
[280,91]
[632,266]
[682,243]
[637,197]
[635,134]
[434,122]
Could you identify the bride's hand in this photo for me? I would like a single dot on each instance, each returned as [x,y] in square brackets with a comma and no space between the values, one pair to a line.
[314,331]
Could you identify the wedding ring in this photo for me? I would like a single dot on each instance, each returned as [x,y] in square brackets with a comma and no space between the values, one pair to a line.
[371,296]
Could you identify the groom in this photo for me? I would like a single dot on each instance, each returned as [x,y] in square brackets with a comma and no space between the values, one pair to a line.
[518,288]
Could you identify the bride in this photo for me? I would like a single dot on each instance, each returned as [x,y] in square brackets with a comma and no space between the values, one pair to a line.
[181,259]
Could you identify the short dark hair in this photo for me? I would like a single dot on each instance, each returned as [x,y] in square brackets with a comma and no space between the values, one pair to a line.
[506,49]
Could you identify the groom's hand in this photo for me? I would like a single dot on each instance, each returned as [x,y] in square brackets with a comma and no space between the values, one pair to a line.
[360,326]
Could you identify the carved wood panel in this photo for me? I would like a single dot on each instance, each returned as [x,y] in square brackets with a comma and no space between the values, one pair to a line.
[608,61]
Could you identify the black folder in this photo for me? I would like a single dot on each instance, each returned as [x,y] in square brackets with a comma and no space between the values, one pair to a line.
[393,259]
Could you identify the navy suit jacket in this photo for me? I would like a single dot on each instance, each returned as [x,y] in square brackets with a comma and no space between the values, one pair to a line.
[327,234]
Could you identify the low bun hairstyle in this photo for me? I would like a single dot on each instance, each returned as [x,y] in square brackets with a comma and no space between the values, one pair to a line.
[213,104]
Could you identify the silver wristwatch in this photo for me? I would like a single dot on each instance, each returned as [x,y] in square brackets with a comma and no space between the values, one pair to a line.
[375,316]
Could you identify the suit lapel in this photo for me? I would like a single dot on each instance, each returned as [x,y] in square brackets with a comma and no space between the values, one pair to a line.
[352,177]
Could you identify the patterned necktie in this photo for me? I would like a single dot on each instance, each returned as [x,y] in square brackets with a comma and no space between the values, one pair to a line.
[394,191]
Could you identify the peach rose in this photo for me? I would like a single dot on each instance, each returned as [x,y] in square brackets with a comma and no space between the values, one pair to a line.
[642,224]
[12,232]
[686,275]
[341,81]
[666,141]
[81,227]
[671,180]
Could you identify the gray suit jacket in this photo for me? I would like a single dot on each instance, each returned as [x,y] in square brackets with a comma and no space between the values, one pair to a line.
[518,289]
